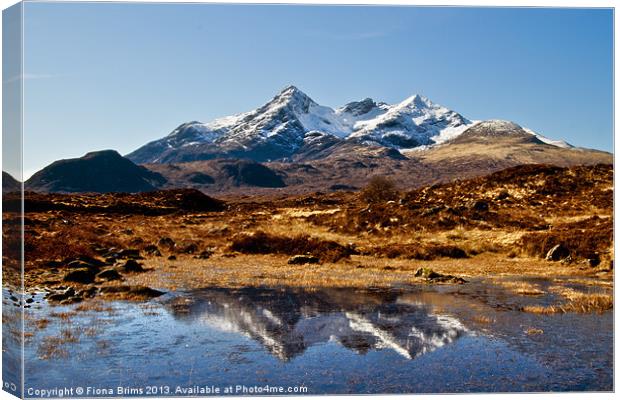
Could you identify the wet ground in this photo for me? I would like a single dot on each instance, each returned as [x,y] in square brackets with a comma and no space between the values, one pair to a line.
[456,338]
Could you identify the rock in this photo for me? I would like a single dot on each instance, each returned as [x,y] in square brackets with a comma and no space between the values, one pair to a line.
[557,253]
[109,274]
[435,277]
[60,296]
[166,242]
[85,259]
[594,261]
[204,254]
[135,292]
[84,275]
[503,195]
[152,250]
[114,289]
[303,259]
[53,264]
[426,273]
[78,264]
[481,206]
[189,249]
[144,291]
[172,257]
[86,293]
[132,266]
[130,254]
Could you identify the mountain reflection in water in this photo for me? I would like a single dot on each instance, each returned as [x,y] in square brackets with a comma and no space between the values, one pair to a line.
[289,321]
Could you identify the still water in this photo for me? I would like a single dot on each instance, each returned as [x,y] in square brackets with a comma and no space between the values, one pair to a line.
[418,340]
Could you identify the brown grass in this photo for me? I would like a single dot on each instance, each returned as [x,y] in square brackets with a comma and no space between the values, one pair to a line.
[576,301]
[588,238]
[522,288]
[419,251]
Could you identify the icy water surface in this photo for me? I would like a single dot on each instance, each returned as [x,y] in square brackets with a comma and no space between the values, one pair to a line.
[452,339]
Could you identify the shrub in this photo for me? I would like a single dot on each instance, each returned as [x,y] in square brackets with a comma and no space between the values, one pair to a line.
[379,189]
[264,243]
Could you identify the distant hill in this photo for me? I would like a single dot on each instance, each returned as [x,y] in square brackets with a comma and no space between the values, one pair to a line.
[99,171]
[10,184]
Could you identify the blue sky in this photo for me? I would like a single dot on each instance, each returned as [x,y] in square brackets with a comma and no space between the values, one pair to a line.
[119,75]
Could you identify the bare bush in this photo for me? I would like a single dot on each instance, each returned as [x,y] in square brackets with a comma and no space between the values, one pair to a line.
[379,189]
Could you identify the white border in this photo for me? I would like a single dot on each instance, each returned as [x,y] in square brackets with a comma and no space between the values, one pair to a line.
[479,3]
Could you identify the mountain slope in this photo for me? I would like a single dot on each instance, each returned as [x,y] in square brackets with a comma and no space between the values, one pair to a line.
[10,184]
[100,171]
[280,128]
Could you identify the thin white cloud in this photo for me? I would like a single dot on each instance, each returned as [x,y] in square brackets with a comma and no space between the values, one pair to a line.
[29,76]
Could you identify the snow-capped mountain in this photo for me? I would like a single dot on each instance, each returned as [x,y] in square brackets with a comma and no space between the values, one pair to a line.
[292,124]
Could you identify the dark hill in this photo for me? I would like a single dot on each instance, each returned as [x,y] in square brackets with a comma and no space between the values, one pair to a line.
[10,184]
[100,171]
[250,173]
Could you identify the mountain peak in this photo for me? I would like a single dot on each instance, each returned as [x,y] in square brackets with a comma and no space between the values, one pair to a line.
[293,97]
[417,101]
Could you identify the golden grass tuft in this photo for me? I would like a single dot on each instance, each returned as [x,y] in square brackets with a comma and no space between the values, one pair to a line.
[522,288]
[576,301]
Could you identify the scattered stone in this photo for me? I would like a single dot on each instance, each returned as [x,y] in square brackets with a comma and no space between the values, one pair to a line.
[481,206]
[503,195]
[130,254]
[557,253]
[595,261]
[85,259]
[84,275]
[152,250]
[53,264]
[189,249]
[88,292]
[61,295]
[303,259]
[132,266]
[166,242]
[204,254]
[114,289]
[144,291]
[79,264]
[135,292]
[435,277]
[109,274]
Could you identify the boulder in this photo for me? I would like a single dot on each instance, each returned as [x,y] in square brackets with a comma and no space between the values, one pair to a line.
[109,274]
[204,254]
[189,249]
[303,259]
[152,250]
[435,277]
[557,253]
[61,295]
[83,275]
[480,206]
[132,266]
[166,242]
[78,264]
